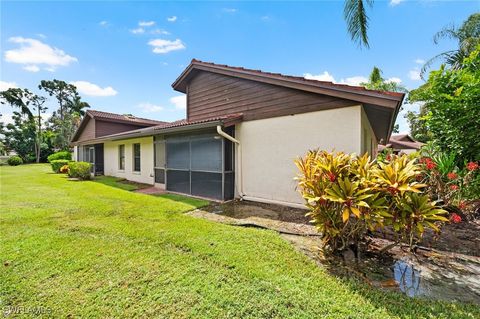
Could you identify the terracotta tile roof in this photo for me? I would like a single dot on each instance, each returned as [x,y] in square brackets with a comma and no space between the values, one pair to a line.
[299,78]
[224,118]
[122,117]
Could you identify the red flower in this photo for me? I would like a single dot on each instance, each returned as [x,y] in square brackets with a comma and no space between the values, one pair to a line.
[430,164]
[389,157]
[453,187]
[472,166]
[452,175]
[455,218]
[331,177]
[462,205]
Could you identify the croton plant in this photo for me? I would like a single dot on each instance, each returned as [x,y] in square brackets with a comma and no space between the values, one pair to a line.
[347,195]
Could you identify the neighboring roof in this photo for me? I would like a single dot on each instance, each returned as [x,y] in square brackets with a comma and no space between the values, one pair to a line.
[402,141]
[106,116]
[114,118]
[329,88]
[177,126]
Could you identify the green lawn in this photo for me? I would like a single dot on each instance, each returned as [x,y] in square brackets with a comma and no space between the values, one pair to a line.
[85,249]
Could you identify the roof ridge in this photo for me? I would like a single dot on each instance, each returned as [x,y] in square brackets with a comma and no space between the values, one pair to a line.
[125,116]
[296,77]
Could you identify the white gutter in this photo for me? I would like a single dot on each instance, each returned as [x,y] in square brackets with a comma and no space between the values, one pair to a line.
[239,157]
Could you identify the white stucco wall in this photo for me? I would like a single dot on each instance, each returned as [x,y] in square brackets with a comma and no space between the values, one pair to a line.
[146,160]
[269,147]
[369,141]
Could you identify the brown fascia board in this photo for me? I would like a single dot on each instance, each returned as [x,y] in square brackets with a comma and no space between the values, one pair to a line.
[363,96]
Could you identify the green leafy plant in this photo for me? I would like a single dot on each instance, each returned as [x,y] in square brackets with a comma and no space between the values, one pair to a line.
[348,195]
[58,164]
[62,155]
[80,170]
[14,160]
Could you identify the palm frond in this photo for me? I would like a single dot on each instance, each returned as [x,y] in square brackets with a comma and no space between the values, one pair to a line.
[446,33]
[429,63]
[357,20]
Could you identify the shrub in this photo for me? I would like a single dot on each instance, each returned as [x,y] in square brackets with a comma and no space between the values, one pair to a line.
[64,169]
[58,164]
[348,195]
[62,155]
[14,160]
[80,170]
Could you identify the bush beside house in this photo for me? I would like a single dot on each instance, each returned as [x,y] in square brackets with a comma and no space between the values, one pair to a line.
[58,164]
[62,155]
[80,170]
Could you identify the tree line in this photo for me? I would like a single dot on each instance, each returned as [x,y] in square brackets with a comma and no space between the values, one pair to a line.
[31,136]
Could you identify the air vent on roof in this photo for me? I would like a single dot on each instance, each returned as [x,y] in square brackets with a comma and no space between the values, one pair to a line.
[129,116]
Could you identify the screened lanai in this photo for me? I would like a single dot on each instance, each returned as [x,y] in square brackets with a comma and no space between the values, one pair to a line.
[199,163]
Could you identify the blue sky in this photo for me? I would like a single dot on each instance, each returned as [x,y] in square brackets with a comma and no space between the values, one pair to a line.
[124,56]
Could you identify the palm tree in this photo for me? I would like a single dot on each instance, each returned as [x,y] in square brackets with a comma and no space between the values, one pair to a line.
[76,105]
[468,37]
[356,17]
[377,82]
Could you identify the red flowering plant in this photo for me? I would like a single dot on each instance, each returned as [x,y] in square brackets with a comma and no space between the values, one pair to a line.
[456,188]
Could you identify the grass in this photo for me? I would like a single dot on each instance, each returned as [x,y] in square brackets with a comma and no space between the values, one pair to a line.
[85,249]
[117,182]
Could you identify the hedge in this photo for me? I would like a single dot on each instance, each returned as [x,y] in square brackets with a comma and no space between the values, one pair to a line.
[57,164]
[62,155]
[80,170]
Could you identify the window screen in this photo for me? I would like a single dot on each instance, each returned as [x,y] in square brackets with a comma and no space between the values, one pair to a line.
[178,181]
[178,153]
[159,154]
[136,157]
[207,184]
[121,157]
[206,154]
[159,175]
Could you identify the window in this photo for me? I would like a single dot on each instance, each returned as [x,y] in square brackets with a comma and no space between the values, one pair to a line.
[136,157]
[121,157]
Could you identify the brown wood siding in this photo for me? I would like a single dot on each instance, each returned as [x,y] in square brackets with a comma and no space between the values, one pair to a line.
[88,131]
[211,95]
[103,128]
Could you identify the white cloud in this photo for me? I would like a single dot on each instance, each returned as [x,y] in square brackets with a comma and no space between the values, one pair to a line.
[91,89]
[33,52]
[325,76]
[138,31]
[160,31]
[6,118]
[414,74]
[146,23]
[180,102]
[32,68]
[394,3]
[266,18]
[394,80]
[41,35]
[172,19]
[161,46]
[150,108]
[354,80]
[7,85]
[103,23]
[230,10]
[419,61]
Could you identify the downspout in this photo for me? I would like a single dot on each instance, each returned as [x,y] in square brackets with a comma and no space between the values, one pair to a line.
[239,168]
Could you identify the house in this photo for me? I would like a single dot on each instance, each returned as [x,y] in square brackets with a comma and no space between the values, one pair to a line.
[242,132]
[401,143]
